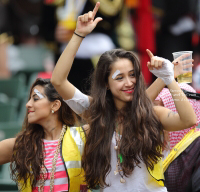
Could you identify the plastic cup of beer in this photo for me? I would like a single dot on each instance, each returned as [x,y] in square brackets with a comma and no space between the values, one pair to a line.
[187,76]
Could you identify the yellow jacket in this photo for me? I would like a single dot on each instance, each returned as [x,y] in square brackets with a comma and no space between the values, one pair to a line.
[157,173]
[71,152]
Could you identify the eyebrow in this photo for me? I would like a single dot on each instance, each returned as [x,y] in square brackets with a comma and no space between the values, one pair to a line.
[34,94]
[128,72]
[37,95]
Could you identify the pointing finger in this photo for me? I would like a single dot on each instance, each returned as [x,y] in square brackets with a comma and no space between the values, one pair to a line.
[149,53]
[96,8]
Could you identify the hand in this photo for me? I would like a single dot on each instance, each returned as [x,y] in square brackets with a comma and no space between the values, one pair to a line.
[161,68]
[180,65]
[86,22]
[156,62]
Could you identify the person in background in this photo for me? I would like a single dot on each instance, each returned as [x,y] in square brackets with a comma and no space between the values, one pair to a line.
[182,157]
[42,155]
[181,152]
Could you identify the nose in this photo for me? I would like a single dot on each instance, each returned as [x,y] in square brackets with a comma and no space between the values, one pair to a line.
[128,82]
[28,104]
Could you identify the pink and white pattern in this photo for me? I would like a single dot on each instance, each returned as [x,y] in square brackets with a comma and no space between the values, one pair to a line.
[61,178]
[168,102]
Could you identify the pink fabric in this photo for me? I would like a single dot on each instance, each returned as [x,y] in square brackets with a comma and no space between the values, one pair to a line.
[60,180]
[168,102]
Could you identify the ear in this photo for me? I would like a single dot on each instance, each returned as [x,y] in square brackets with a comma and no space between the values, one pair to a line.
[56,105]
[107,87]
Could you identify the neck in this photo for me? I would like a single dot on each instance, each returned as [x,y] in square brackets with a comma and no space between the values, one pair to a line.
[119,104]
[52,131]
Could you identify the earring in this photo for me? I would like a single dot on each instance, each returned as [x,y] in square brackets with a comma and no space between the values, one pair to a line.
[52,111]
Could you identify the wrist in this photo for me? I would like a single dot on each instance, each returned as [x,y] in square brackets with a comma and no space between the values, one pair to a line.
[170,85]
[79,34]
[168,80]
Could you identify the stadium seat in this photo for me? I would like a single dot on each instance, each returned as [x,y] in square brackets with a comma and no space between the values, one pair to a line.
[8,110]
[6,184]
[13,87]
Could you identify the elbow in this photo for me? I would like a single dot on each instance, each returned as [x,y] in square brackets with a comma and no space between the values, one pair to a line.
[192,121]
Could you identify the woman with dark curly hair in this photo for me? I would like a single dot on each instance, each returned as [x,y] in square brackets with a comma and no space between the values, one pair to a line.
[123,150]
[44,153]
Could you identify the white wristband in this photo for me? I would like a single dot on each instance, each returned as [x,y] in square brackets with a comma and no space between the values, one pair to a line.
[166,73]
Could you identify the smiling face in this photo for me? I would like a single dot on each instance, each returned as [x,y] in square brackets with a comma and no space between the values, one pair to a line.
[39,107]
[121,82]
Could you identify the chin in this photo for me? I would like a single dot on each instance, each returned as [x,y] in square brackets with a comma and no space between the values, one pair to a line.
[31,121]
[129,99]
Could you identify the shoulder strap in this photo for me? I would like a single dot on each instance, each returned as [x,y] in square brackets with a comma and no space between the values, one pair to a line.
[180,147]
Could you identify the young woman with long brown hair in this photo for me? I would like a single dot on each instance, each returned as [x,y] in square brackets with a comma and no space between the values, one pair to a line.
[42,155]
[124,131]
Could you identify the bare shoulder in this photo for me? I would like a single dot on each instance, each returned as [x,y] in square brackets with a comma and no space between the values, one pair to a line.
[86,128]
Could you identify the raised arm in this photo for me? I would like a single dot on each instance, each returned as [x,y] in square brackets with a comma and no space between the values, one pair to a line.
[6,150]
[186,116]
[156,87]
[85,24]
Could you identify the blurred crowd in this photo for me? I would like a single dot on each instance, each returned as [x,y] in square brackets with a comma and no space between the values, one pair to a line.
[33,33]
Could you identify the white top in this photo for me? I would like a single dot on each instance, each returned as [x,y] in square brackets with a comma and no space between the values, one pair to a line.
[79,103]
[139,181]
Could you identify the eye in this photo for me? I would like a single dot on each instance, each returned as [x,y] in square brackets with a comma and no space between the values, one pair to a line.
[35,99]
[132,74]
[119,78]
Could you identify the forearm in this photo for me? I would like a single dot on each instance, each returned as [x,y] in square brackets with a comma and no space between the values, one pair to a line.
[155,88]
[65,61]
[183,106]
[84,26]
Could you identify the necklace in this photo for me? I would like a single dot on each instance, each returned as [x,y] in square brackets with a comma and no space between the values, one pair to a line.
[52,174]
[119,156]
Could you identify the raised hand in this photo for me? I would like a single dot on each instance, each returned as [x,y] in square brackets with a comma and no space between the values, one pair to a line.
[87,22]
[180,65]
[156,62]
[161,68]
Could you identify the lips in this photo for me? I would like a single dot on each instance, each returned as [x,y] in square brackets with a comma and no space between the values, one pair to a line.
[129,91]
[30,112]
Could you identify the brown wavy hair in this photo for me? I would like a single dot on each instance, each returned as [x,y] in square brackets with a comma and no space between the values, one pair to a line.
[27,157]
[142,131]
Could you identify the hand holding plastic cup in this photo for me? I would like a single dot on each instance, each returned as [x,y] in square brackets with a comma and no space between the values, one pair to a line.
[185,57]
